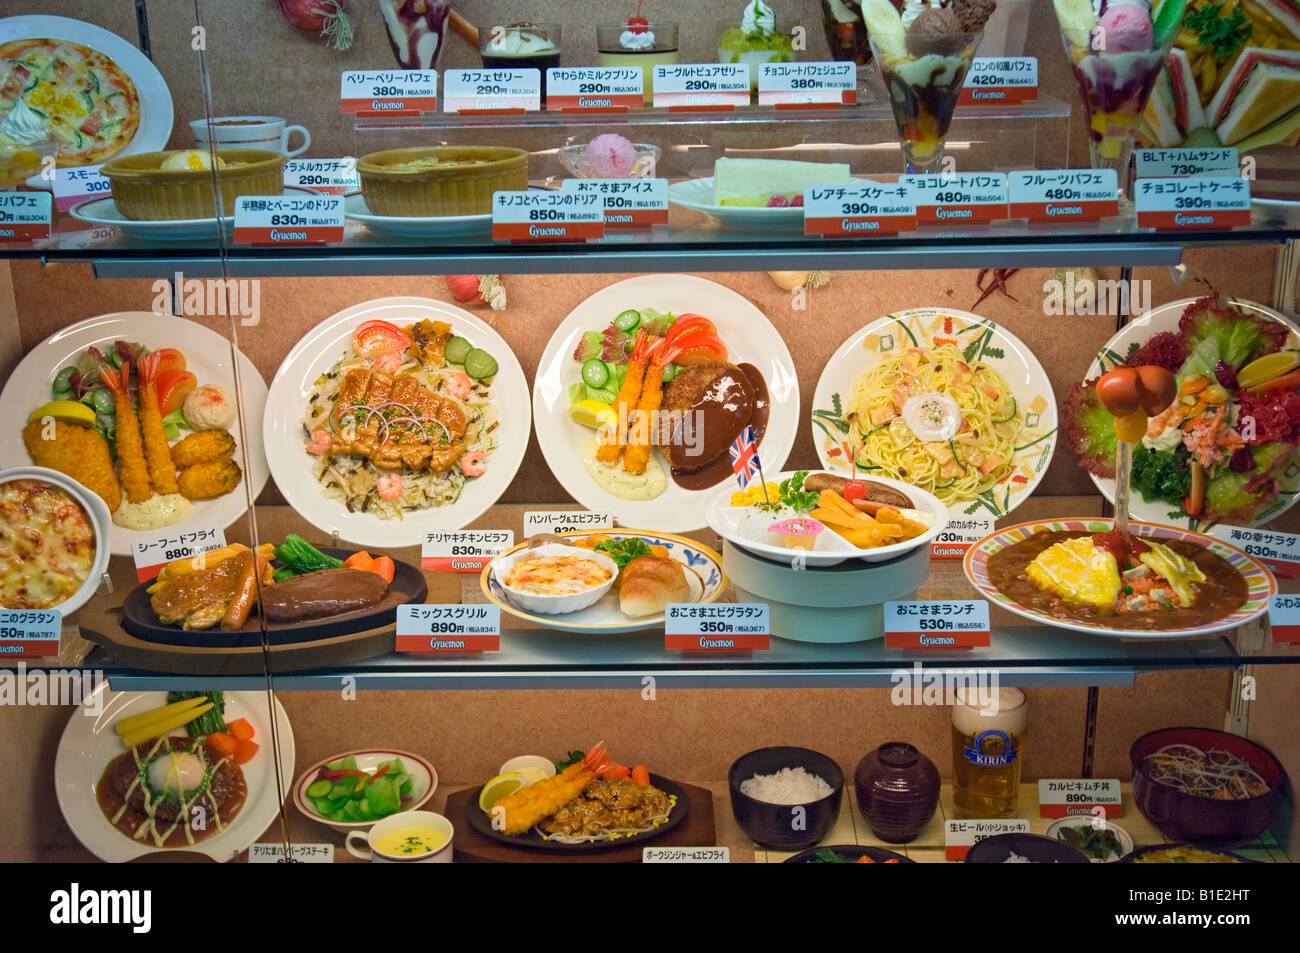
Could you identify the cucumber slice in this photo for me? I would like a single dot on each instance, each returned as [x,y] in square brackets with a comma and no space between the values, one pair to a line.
[456,350]
[628,320]
[595,373]
[319,789]
[479,364]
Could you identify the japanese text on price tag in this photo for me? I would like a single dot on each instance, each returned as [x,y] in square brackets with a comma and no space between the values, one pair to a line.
[936,625]
[388,92]
[1000,80]
[965,198]
[152,554]
[466,550]
[302,853]
[959,535]
[439,629]
[288,220]
[1194,202]
[960,836]
[76,185]
[564,521]
[864,208]
[1278,551]
[327,176]
[1064,797]
[594,89]
[527,216]
[29,633]
[1071,195]
[25,216]
[706,86]
[628,203]
[1284,618]
[717,627]
[685,855]
[1167,163]
[492,92]
[787,85]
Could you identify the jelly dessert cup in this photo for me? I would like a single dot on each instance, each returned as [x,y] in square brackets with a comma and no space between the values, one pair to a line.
[520,46]
[754,48]
[647,46]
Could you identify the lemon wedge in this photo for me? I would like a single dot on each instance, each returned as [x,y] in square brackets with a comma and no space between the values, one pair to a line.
[65,411]
[503,785]
[593,414]
[1267,367]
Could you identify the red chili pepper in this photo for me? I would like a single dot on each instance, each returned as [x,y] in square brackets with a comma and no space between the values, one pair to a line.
[377,774]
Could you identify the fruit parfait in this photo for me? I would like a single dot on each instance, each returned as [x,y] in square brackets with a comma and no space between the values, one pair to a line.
[638,43]
[924,54]
[1117,48]
[846,31]
[755,42]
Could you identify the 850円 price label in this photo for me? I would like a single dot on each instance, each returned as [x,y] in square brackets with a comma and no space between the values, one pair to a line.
[717,627]
[528,216]
[442,629]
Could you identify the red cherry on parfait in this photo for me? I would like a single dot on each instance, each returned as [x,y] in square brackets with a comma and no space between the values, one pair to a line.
[638,23]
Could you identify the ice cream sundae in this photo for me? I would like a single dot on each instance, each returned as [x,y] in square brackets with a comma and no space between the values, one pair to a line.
[610,156]
[755,42]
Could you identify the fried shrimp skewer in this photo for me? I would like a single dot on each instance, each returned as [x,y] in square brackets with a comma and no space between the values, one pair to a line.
[613,439]
[643,430]
[162,472]
[130,448]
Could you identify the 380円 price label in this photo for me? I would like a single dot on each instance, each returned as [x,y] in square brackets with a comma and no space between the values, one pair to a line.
[288,220]
[960,624]
[717,627]
[403,92]
[963,198]
[1166,163]
[703,86]
[151,555]
[492,92]
[29,633]
[864,208]
[1068,797]
[1284,618]
[791,85]
[1070,195]
[1221,201]
[467,550]
[628,203]
[594,89]
[1279,551]
[1000,80]
[25,216]
[564,521]
[960,836]
[449,629]
[327,176]
[528,216]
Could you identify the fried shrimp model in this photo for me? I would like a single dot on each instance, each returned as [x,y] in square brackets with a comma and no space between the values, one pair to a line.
[520,812]
[130,446]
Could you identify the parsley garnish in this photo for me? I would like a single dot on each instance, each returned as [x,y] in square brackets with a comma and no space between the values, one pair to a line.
[1224,35]
[795,496]
[623,551]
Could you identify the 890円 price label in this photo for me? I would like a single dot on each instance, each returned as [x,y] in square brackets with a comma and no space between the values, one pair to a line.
[440,629]
[717,627]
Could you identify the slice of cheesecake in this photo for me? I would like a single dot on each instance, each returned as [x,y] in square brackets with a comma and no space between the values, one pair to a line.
[760,182]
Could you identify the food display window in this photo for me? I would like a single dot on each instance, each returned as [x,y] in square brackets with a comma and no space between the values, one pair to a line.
[816,432]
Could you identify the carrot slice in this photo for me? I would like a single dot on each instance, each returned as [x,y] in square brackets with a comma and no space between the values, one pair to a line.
[385,567]
[240,728]
[245,750]
[641,775]
[223,743]
[362,561]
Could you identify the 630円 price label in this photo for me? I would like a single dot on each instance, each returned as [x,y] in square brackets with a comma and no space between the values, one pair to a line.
[864,208]
[937,625]
[467,550]
[286,220]
[594,89]
[1279,551]
[1000,80]
[29,633]
[151,555]
[717,627]
[1068,797]
[527,216]
[703,86]
[1071,195]
[388,92]
[444,629]
[792,85]
[25,216]
[1194,202]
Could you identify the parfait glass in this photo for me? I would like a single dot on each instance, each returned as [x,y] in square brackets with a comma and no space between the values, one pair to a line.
[924,80]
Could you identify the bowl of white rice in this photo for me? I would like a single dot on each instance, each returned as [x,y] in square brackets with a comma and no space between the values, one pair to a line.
[785,798]
[1018,848]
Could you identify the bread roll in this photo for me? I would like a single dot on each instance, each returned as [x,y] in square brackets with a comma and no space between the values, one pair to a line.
[649,583]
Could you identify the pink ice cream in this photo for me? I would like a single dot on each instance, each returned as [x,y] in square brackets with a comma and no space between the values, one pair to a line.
[1124,28]
[610,156]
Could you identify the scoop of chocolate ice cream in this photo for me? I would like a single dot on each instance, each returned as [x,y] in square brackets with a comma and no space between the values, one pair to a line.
[973,13]
[935,30]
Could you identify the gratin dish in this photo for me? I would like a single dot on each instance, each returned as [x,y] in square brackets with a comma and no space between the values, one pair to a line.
[143,191]
[390,189]
[558,604]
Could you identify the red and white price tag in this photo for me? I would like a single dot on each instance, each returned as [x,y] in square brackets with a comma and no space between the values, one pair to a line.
[960,836]
[594,89]
[1284,618]
[326,176]
[717,627]
[299,853]
[449,629]
[30,633]
[1164,163]
[1000,80]
[628,203]
[1212,201]
[1279,551]
[74,186]
[797,85]
[537,216]
[151,555]
[25,216]
[959,535]
[560,522]
[1069,797]
[717,87]
[492,92]
[466,550]
[962,624]
[397,92]
[1063,195]
[863,208]
[288,220]
[959,199]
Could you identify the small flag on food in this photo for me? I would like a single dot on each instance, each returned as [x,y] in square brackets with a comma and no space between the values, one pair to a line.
[744,457]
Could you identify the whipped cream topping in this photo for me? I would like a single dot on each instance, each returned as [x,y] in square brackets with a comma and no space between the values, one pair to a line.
[645,40]
[521,41]
[23,125]
[758,18]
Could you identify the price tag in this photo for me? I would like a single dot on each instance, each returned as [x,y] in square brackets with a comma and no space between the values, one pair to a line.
[685,855]
[628,203]
[594,89]
[151,555]
[959,535]
[301,853]
[937,625]
[965,198]
[1164,163]
[717,627]
[327,176]
[74,186]
[1000,80]
[716,87]
[863,208]
[467,550]
[492,92]
[1065,195]
[960,836]
[1284,618]
[1066,797]
[564,521]
[29,633]
[1211,201]
[400,92]
[796,85]
[25,216]
[1278,551]
[288,220]
[449,629]
[528,216]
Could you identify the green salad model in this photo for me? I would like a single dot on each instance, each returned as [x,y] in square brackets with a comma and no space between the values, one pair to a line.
[344,792]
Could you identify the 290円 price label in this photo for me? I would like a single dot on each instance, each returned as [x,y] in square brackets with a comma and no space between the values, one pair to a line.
[442,629]
[717,627]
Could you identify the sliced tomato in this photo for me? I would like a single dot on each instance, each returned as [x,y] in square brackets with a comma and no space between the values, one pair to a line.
[699,348]
[170,359]
[173,387]
[379,337]
[689,324]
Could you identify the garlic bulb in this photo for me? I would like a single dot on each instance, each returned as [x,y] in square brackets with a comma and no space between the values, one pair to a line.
[790,280]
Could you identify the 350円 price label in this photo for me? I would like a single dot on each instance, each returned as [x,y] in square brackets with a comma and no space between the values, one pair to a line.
[467,550]
[960,836]
[151,555]
[937,625]
[717,627]
[443,629]
[29,633]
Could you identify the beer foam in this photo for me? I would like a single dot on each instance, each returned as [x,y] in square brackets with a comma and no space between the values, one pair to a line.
[1008,711]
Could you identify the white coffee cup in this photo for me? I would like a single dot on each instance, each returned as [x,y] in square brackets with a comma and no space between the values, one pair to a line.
[395,822]
[250,132]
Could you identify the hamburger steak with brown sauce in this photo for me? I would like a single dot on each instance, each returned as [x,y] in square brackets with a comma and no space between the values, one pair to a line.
[708,405]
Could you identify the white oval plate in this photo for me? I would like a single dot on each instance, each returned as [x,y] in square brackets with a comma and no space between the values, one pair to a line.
[105,212]
[322,347]
[703,573]
[750,339]
[156,114]
[89,743]
[831,549]
[918,327]
[424,782]
[1138,332]
[697,194]
[409,226]
[207,355]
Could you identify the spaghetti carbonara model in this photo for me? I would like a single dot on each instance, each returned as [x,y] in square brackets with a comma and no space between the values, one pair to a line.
[935,421]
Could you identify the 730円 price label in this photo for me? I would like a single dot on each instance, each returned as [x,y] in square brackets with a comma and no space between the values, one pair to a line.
[1166,163]
[937,625]
[466,550]
[442,629]
[717,627]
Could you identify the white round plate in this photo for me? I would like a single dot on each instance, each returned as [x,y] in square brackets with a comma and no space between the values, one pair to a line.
[830,549]
[703,573]
[423,776]
[105,212]
[89,743]
[750,339]
[155,98]
[322,347]
[207,355]
[697,194]
[1132,336]
[408,226]
[982,340]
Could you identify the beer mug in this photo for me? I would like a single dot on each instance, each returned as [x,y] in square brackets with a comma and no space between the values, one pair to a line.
[988,745]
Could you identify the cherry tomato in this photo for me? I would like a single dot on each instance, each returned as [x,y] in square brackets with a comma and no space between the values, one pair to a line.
[170,359]
[1131,428]
[379,337]
[1158,388]
[1119,391]
[854,490]
[173,387]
